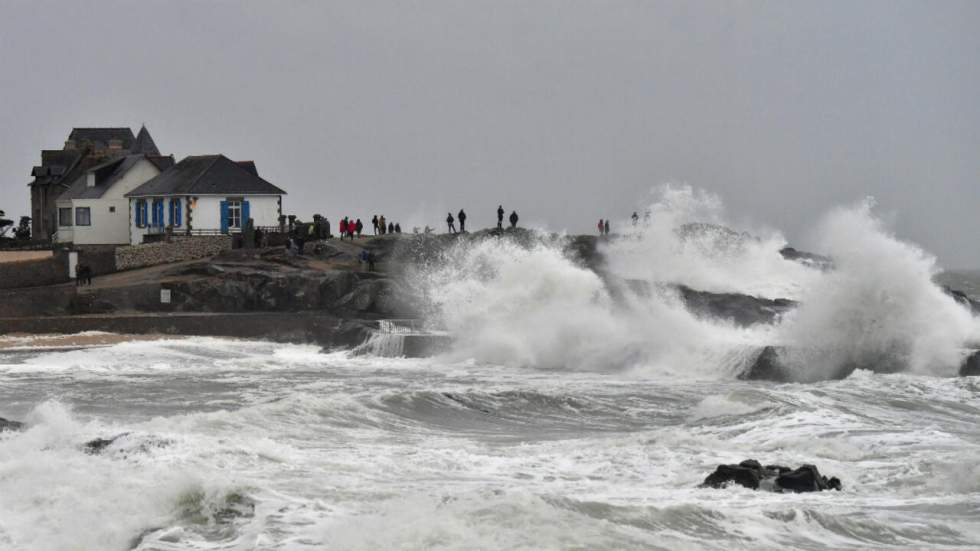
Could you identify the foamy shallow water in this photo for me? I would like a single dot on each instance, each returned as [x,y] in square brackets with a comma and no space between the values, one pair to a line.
[253,445]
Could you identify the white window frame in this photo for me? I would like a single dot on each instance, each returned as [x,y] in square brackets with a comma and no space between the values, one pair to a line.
[88,211]
[235,213]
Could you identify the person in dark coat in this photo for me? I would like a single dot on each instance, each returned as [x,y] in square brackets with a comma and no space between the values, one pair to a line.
[500,217]
[359,226]
[374,222]
[391,227]
[462,221]
[451,223]
[607,227]
[513,219]
[398,228]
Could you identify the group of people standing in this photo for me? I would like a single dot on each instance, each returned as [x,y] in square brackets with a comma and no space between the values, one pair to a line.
[350,228]
[383,226]
[500,218]
[603,227]
[451,222]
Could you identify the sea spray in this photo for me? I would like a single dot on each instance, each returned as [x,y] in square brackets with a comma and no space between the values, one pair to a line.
[879,309]
[525,302]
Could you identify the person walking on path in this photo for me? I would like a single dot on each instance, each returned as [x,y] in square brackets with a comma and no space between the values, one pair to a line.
[450,223]
[601,226]
[607,227]
[513,219]
[359,226]
[374,221]
[462,221]
[500,217]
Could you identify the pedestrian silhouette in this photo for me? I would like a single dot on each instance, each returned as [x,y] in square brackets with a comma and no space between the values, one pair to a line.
[607,227]
[462,221]
[451,223]
[500,217]
[601,226]
[513,219]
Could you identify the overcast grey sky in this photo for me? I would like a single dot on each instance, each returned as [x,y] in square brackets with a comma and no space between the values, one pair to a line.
[566,110]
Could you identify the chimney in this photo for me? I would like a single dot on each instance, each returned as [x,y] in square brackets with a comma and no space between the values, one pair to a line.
[70,145]
[90,179]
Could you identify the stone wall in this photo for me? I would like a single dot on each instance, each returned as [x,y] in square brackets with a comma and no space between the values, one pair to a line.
[34,273]
[179,248]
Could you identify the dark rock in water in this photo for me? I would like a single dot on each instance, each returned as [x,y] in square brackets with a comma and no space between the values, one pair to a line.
[806,479]
[751,474]
[809,259]
[7,424]
[98,445]
[766,367]
[971,366]
[962,298]
[741,309]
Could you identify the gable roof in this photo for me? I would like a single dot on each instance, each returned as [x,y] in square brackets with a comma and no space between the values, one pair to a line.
[106,174]
[206,175]
[144,143]
[100,137]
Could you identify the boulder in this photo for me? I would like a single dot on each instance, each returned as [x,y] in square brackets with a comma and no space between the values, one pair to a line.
[766,367]
[742,310]
[752,474]
[7,424]
[971,365]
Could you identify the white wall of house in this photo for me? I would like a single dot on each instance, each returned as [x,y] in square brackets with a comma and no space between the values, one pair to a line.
[204,213]
[264,210]
[109,214]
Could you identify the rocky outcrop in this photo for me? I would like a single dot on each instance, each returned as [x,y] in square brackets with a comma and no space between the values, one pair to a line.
[742,310]
[767,366]
[278,282]
[751,474]
[7,424]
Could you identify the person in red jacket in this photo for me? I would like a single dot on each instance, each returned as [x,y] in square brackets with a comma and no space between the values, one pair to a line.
[343,228]
[601,226]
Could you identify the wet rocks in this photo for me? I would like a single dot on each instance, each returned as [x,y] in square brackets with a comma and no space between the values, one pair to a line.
[742,310]
[7,424]
[971,365]
[766,367]
[752,474]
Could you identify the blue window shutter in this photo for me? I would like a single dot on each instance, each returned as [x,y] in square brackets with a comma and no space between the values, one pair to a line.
[224,217]
[137,213]
[245,213]
[179,205]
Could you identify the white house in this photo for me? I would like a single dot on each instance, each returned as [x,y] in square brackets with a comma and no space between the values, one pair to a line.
[94,209]
[203,194]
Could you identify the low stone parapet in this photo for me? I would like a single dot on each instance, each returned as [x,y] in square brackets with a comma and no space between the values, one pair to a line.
[178,249]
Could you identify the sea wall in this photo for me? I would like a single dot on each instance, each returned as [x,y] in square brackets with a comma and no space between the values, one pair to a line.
[178,249]
[33,273]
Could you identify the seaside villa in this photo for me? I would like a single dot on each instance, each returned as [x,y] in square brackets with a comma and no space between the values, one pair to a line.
[203,194]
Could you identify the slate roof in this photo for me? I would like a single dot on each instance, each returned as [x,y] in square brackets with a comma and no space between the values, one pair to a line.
[206,175]
[100,137]
[144,143]
[106,174]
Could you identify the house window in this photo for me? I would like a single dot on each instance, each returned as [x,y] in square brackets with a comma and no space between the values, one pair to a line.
[83,216]
[157,215]
[64,217]
[234,214]
[175,213]
[140,213]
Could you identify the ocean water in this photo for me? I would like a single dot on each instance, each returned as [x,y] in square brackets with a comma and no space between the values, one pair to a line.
[253,445]
[571,412]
